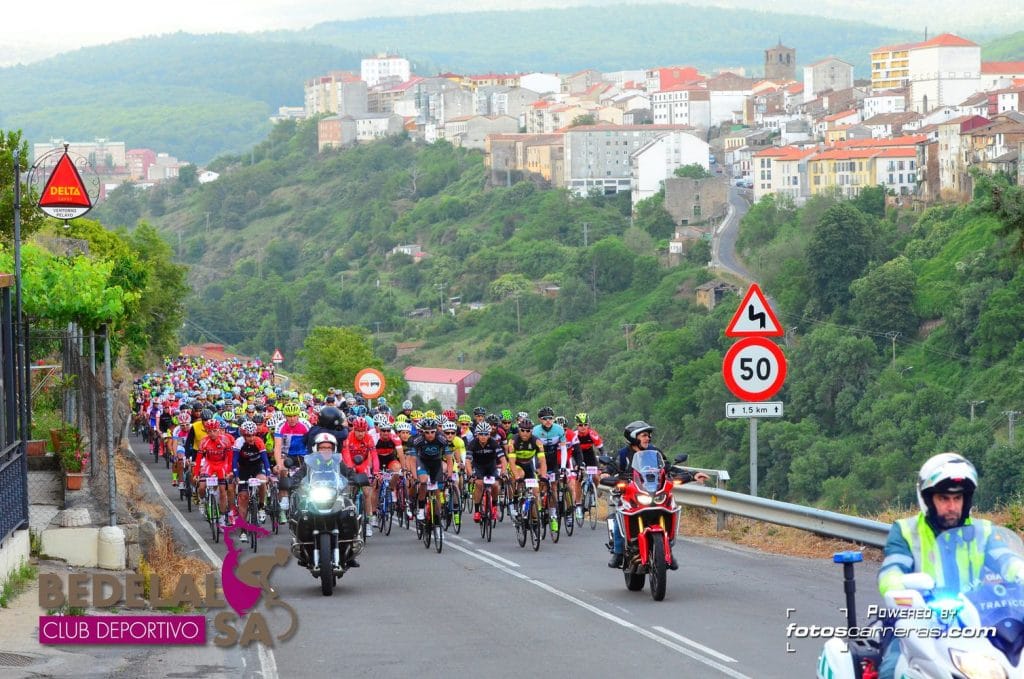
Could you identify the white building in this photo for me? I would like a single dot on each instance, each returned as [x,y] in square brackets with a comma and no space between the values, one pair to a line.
[598,157]
[621,78]
[782,170]
[896,169]
[541,83]
[682,105]
[371,126]
[997,75]
[654,162]
[728,93]
[382,68]
[886,101]
[944,71]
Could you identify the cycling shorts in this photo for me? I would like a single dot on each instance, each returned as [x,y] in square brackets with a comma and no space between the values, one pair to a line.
[433,468]
[528,467]
[485,469]
[246,472]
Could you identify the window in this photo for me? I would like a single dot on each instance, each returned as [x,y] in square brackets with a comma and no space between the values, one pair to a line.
[696,210]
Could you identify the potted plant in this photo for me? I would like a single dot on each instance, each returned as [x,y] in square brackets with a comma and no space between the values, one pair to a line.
[73,457]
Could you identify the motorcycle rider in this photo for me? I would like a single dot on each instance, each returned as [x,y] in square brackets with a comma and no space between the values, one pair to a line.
[945,490]
[638,437]
[325,458]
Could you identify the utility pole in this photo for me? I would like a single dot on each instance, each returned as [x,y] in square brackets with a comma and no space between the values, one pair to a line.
[519,328]
[586,227]
[440,286]
[1012,414]
[972,404]
[628,327]
[377,323]
[892,335]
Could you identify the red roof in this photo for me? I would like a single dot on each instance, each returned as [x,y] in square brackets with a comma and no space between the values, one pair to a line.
[946,40]
[846,154]
[903,152]
[436,375]
[795,88]
[896,48]
[1002,67]
[785,153]
[840,115]
[905,140]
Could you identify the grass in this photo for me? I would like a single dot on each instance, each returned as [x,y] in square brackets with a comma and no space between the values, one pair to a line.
[18,581]
[66,610]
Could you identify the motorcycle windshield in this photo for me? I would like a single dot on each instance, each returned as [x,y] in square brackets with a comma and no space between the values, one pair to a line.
[997,593]
[647,470]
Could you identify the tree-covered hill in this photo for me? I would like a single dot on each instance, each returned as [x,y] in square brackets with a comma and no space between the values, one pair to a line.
[288,239]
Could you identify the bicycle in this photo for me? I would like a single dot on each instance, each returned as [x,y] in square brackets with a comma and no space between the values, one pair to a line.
[528,522]
[566,506]
[252,510]
[453,505]
[211,505]
[549,501]
[589,498]
[432,528]
[401,505]
[385,513]
[486,507]
[186,490]
[274,503]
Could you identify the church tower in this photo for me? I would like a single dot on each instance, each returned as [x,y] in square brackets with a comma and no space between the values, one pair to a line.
[780,63]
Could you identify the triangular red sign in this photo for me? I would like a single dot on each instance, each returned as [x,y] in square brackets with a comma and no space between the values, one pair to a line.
[277,357]
[64,195]
[754,317]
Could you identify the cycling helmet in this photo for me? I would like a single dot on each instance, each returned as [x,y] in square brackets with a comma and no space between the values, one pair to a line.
[522,415]
[184,418]
[206,415]
[331,418]
[248,428]
[465,419]
[946,473]
[403,426]
[526,424]
[358,411]
[634,428]
[406,405]
[325,437]
[211,425]
[449,426]
[561,421]
[506,415]
[431,414]
[581,418]
[382,402]
[479,411]
[482,429]
[448,414]
[229,415]
[360,424]
[382,421]
[545,412]
[428,424]
[275,421]
[258,419]
[290,409]
[492,420]
[416,415]
[401,418]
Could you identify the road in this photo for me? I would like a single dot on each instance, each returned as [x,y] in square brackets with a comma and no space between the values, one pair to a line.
[723,245]
[495,609]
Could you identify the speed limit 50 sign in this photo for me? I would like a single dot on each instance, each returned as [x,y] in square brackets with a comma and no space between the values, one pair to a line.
[754,369]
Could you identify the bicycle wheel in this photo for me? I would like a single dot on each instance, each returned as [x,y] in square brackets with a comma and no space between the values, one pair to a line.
[455,500]
[535,528]
[520,524]
[188,489]
[213,512]
[388,516]
[590,506]
[568,513]
[502,501]
[253,519]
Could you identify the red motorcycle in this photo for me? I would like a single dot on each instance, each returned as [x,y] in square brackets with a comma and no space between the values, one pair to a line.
[647,516]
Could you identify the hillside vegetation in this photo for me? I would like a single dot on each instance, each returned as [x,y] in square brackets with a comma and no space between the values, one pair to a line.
[298,239]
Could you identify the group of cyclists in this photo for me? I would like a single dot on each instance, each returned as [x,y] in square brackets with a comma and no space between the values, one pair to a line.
[229,422]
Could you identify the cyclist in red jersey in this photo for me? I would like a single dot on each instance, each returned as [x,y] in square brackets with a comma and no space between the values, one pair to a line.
[360,453]
[214,458]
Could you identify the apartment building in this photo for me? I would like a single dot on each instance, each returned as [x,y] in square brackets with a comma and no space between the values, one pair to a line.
[682,105]
[885,101]
[657,160]
[338,93]
[782,170]
[383,69]
[534,157]
[890,67]
[597,157]
[943,72]
[102,154]
[1000,74]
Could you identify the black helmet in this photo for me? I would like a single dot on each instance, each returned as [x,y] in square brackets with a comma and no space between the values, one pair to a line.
[330,418]
[526,424]
[258,419]
[634,428]
[479,410]
[492,420]
[545,412]
[207,414]
[428,424]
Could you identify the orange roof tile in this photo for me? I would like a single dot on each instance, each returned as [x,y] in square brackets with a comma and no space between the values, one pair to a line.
[946,40]
[905,152]
[845,154]
[1002,67]
[896,48]
[905,140]
[839,116]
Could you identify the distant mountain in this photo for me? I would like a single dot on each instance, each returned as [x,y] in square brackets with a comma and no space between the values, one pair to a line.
[1006,48]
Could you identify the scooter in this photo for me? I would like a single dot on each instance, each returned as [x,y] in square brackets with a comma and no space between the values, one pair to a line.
[976,632]
[647,516]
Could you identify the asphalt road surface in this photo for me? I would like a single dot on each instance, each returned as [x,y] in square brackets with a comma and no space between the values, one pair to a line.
[495,609]
[724,243]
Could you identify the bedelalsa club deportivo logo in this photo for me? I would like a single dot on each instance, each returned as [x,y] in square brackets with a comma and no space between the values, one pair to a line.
[245,582]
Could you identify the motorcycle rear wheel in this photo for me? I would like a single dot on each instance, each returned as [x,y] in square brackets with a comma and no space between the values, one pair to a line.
[657,569]
[326,567]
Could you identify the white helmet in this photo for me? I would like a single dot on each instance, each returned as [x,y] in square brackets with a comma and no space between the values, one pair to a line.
[946,473]
[325,437]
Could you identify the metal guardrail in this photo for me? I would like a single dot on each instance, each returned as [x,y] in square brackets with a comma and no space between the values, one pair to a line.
[820,521]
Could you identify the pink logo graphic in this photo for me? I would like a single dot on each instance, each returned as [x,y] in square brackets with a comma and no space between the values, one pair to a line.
[240,591]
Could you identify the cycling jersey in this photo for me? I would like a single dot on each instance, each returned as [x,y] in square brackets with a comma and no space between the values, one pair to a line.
[485,456]
[216,455]
[387,448]
[525,451]
[552,438]
[365,449]
[292,437]
[250,458]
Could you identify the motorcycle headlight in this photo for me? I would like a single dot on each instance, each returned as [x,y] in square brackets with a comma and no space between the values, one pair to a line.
[659,498]
[643,499]
[976,665]
[323,496]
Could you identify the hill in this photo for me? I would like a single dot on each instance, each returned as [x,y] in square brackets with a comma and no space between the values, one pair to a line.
[1006,48]
[297,239]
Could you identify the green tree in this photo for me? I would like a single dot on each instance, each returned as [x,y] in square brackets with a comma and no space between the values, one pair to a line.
[31,217]
[871,201]
[652,217]
[837,254]
[884,298]
[332,356]
[691,171]
[500,388]
[585,119]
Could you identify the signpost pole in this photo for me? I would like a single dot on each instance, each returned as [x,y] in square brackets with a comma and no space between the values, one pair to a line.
[753,456]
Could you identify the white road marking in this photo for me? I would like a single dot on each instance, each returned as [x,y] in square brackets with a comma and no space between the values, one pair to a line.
[691,642]
[728,671]
[499,558]
[266,656]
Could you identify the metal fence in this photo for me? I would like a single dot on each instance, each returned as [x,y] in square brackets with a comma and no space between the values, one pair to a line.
[13,392]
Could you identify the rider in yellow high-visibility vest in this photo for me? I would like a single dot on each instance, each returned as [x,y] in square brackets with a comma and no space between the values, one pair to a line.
[945,490]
